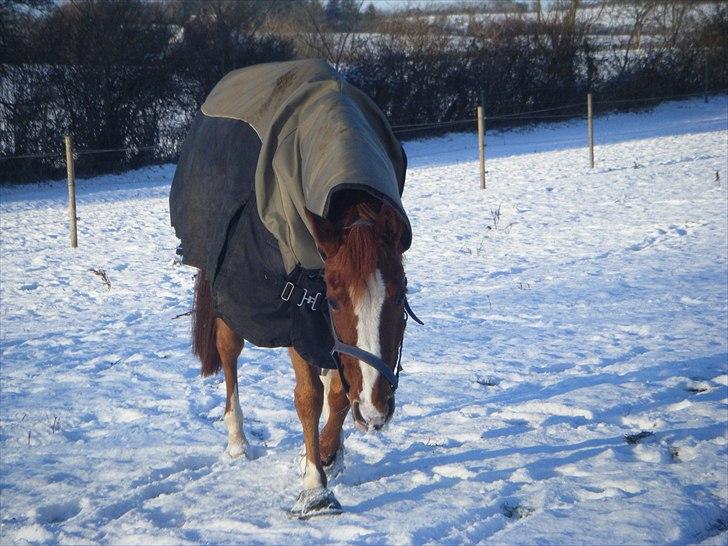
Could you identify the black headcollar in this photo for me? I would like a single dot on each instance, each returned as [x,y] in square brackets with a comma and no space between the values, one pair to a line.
[365,356]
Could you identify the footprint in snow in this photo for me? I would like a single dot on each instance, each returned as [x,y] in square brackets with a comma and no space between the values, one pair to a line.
[56,513]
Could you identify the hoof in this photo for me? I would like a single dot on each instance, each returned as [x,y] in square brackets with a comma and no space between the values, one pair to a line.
[336,466]
[315,502]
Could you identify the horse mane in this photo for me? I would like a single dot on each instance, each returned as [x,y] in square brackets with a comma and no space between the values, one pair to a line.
[364,243]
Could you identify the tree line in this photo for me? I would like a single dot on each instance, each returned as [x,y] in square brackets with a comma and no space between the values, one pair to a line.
[129,76]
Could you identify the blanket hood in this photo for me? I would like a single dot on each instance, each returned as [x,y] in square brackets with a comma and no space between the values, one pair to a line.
[319,135]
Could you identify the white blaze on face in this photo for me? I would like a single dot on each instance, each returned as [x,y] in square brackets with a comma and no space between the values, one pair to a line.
[369,312]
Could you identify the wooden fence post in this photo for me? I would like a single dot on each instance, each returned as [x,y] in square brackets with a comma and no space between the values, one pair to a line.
[481,145]
[71,190]
[590,124]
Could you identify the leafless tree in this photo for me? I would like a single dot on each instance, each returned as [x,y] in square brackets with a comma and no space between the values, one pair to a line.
[319,31]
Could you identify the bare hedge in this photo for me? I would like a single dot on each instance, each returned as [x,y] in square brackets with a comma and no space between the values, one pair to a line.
[130,75]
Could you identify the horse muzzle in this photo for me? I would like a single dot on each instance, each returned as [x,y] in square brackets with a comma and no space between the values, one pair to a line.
[372,419]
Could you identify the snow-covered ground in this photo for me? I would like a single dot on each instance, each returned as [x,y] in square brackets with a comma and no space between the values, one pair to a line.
[565,309]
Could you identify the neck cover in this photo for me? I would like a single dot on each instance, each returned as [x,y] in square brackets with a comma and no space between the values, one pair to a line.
[318,135]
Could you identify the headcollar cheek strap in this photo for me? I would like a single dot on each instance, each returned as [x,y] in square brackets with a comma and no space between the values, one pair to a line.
[340,369]
[411,313]
[365,356]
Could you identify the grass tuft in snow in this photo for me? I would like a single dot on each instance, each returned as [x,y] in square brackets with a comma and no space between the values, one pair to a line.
[102,275]
[488,381]
[696,386]
[513,510]
[634,439]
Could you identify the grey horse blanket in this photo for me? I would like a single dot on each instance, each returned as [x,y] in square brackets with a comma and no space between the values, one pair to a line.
[271,141]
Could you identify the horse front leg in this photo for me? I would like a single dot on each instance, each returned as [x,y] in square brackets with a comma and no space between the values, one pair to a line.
[315,499]
[229,346]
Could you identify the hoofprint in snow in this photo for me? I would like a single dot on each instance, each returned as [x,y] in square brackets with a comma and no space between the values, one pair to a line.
[570,385]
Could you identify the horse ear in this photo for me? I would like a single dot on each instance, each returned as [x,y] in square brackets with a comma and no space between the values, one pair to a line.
[326,234]
[390,224]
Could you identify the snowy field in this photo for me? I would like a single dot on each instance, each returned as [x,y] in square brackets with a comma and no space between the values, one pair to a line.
[567,311]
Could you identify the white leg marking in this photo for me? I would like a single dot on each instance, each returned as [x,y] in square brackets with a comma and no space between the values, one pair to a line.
[369,311]
[311,477]
[326,410]
[237,443]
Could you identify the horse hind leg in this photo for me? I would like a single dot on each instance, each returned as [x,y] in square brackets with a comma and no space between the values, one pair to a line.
[229,346]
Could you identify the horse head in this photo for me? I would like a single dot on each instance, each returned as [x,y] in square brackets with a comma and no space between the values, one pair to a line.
[365,289]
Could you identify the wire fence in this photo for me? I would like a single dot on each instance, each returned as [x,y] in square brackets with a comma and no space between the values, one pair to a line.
[413,128]
[502,141]
[61,154]
[543,113]
[507,140]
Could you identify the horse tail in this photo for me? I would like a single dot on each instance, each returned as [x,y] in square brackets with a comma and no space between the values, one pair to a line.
[203,327]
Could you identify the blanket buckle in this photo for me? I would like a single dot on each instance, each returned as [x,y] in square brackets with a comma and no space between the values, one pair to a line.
[309,300]
[287,291]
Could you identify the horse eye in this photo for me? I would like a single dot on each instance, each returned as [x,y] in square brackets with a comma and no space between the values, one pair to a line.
[333,304]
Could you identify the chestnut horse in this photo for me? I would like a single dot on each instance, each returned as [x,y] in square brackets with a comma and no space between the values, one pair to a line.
[365,290]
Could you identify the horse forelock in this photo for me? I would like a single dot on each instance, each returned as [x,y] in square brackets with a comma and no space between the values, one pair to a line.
[362,249]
